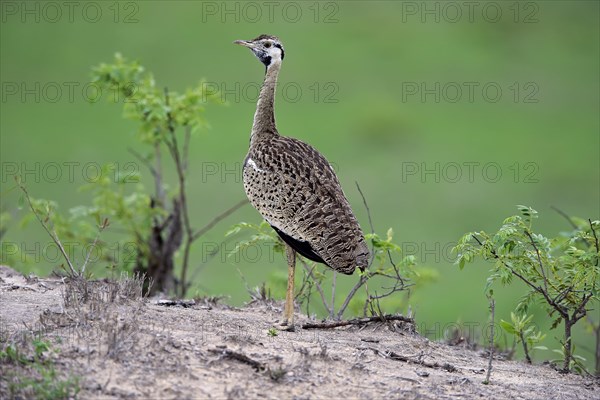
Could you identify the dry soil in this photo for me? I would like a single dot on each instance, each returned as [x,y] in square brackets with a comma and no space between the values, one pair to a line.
[122,346]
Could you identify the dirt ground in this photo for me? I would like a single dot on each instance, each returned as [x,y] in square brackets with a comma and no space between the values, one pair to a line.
[121,346]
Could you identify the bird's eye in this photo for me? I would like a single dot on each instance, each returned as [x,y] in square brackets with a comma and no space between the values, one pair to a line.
[267,44]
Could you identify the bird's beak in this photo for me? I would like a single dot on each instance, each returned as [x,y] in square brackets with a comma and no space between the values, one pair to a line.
[244,43]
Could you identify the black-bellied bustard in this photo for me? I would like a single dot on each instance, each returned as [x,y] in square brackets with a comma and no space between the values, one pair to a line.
[295,189]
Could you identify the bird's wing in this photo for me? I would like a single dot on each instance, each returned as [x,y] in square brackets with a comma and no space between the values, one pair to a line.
[296,190]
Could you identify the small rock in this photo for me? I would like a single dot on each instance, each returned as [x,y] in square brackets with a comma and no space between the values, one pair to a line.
[459,381]
[421,373]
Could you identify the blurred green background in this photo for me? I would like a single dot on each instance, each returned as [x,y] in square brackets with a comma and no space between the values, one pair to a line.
[447,116]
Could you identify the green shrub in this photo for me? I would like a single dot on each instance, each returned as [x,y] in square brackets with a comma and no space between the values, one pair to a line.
[561,272]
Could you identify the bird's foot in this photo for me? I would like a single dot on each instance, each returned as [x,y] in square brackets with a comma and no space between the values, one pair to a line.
[287,326]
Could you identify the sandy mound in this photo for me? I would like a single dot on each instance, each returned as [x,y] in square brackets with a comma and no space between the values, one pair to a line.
[107,342]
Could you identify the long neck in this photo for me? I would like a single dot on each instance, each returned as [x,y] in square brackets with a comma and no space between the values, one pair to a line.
[264,117]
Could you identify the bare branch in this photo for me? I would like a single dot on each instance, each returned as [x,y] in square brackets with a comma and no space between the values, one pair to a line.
[159,190]
[537,251]
[218,218]
[179,166]
[301,296]
[52,234]
[234,355]
[305,281]
[186,146]
[358,321]
[379,313]
[390,290]
[207,258]
[562,295]
[396,271]
[399,283]
[525,348]
[411,359]
[181,174]
[361,281]
[565,216]
[596,239]
[333,279]
[144,161]
[366,206]
[489,369]
[370,223]
[580,312]
[561,310]
[317,285]
[87,257]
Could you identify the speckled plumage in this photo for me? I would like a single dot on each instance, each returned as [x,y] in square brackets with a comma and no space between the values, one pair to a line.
[294,187]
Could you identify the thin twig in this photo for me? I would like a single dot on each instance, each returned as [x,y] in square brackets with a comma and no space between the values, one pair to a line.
[208,227]
[234,355]
[561,310]
[317,285]
[489,369]
[410,359]
[398,277]
[218,218]
[566,216]
[596,239]
[179,167]
[379,312]
[525,348]
[333,279]
[87,257]
[398,280]
[305,281]
[366,275]
[370,223]
[186,147]
[207,258]
[144,161]
[303,297]
[174,149]
[52,234]
[159,190]
[244,280]
[581,312]
[539,258]
[366,206]
[389,292]
[361,281]
[562,295]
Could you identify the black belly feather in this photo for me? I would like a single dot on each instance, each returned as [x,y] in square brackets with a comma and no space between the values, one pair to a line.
[304,248]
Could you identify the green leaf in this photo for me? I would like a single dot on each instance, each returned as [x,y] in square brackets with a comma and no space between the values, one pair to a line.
[390,234]
[508,327]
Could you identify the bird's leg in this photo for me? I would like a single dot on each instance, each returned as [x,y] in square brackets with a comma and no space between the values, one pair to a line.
[288,311]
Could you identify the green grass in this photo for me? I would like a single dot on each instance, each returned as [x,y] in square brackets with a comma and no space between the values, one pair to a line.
[370,134]
[34,375]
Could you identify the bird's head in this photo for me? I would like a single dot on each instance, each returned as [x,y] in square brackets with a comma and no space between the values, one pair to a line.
[268,49]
